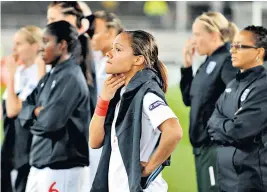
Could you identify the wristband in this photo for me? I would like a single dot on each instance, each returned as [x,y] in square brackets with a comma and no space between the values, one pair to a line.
[101,107]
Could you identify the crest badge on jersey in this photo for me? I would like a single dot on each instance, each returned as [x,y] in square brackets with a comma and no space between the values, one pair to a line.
[211,66]
[244,95]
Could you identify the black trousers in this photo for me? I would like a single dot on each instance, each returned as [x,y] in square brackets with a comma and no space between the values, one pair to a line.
[20,182]
[6,169]
[22,177]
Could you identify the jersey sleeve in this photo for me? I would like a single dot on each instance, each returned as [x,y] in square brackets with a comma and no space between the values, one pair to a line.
[156,110]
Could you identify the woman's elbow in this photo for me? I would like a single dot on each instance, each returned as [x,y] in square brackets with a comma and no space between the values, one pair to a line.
[12,110]
[11,113]
[94,145]
[94,142]
[187,102]
[173,129]
[177,133]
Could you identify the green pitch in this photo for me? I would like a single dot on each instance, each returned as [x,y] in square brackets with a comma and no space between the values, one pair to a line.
[181,175]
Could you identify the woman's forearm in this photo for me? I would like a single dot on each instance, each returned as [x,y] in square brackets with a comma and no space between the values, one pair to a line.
[96,131]
[13,103]
[171,135]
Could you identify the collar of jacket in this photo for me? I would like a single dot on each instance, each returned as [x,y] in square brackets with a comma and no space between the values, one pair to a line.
[243,76]
[63,65]
[140,78]
[225,48]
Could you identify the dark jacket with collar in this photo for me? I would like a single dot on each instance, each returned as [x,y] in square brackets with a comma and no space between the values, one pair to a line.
[128,130]
[202,91]
[239,126]
[60,132]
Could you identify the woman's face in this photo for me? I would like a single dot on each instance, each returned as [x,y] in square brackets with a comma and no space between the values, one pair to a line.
[242,57]
[50,48]
[121,58]
[23,49]
[201,38]
[55,14]
[101,40]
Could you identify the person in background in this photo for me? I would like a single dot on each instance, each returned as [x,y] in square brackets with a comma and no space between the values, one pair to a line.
[239,123]
[71,12]
[107,27]
[22,70]
[212,34]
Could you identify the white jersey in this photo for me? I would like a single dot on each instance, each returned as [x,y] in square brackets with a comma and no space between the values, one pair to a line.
[152,117]
[26,79]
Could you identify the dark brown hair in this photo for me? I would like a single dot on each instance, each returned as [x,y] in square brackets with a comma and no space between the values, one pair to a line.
[144,44]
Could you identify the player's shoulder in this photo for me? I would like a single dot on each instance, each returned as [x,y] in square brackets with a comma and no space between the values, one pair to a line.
[152,101]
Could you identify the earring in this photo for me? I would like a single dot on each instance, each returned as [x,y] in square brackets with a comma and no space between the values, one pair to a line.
[257,59]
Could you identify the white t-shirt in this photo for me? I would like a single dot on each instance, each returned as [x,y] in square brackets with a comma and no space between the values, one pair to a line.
[154,113]
[26,79]
[101,74]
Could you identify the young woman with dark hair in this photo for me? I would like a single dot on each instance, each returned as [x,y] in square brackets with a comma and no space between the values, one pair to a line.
[56,113]
[132,121]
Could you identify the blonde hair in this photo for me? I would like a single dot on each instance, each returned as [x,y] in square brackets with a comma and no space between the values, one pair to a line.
[216,22]
[32,33]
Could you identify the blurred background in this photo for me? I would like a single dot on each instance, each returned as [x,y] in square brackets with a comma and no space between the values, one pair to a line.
[170,22]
